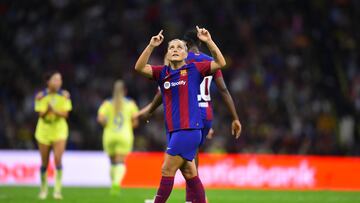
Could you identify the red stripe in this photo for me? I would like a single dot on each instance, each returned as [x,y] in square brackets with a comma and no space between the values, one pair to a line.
[184,102]
[168,108]
[209,114]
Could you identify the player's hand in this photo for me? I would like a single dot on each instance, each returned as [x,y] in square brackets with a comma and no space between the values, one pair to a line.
[143,115]
[236,128]
[50,108]
[203,34]
[157,39]
[210,134]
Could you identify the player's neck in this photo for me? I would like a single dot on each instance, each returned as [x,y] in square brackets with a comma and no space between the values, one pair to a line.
[49,90]
[177,64]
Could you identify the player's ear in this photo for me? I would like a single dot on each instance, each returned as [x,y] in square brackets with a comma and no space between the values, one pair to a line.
[186,54]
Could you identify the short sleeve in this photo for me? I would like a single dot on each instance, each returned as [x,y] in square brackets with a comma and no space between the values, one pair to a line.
[103,109]
[218,74]
[156,70]
[67,104]
[40,105]
[133,108]
[204,67]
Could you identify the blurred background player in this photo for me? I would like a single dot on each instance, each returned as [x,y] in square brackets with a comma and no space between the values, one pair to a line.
[179,83]
[53,106]
[117,117]
[194,55]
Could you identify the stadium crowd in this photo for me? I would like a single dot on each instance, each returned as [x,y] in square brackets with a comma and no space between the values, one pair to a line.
[293,69]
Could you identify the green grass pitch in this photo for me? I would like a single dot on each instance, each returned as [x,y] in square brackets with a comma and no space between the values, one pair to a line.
[101,195]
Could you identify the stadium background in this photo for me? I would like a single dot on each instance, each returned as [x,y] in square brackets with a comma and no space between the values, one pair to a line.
[293,69]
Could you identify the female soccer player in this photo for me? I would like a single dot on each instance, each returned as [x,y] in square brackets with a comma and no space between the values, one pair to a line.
[117,118]
[204,98]
[53,106]
[179,83]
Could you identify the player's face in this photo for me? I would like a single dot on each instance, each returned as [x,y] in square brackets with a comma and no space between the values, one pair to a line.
[177,51]
[55,82]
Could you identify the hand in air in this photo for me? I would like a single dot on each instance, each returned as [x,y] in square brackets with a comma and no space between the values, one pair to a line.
[157,40]
[203,34]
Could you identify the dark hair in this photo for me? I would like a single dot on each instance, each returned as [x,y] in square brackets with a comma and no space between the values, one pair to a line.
[48,74]
[191,39]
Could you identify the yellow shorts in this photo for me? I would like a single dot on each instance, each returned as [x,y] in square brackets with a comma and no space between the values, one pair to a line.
[117,145]
[48,137]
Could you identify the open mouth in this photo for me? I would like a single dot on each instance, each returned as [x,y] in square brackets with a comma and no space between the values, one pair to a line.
[175,55]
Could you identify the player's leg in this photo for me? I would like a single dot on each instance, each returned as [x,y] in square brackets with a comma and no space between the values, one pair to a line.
[204,132]
[186,145]
[117,171]
[170,166]
[196,192]
[58,148]
[188,174]
[44,153]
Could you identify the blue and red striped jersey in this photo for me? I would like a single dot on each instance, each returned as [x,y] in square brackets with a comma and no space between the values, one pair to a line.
[180,89]
[204,97]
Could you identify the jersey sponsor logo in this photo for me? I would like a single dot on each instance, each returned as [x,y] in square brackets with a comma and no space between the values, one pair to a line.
[167,84]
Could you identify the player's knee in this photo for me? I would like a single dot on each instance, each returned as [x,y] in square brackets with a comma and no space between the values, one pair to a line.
[188,173]
[58,162]
[167,171]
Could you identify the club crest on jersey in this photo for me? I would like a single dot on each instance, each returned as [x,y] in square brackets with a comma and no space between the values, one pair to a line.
[183,72]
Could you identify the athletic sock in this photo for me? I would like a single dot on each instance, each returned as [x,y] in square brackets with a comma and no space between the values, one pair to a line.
[43,178]
[197,190]
[163,193]
[58,178]
[119,174]
[112,174]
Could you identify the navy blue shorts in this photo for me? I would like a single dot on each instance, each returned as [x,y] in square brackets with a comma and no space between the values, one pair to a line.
[205,130]
[184,143]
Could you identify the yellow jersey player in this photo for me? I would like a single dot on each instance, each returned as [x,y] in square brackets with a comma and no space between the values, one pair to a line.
[118,117]
[53,106]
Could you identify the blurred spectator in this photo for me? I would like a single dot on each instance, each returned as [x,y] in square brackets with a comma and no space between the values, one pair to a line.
[294,68]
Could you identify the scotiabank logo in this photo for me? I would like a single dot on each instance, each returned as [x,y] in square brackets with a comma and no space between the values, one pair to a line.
[168,84]
[253,174]
[21,172]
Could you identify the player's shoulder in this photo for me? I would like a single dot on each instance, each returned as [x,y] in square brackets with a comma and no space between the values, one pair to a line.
[106,104]
[198,57]
[41,94]
[107,101]
[129,100]
[64,93]
[205,56]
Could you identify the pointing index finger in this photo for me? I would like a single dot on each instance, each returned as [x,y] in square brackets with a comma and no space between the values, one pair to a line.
[161,31]
[197,28]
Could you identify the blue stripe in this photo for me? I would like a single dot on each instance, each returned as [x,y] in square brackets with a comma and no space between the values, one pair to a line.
[175,100]
[194,78]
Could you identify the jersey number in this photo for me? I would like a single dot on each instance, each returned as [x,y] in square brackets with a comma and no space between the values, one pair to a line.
[119,120]
[205,89]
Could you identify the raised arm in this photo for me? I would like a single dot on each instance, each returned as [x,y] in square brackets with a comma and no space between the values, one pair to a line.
[141,65]
[235,125]
[219,60]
